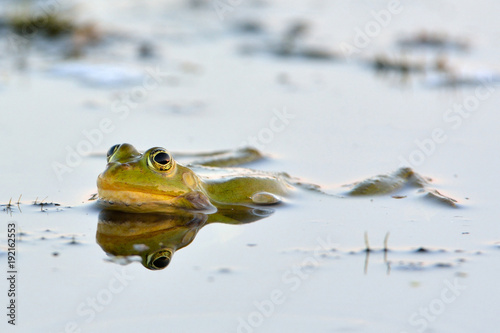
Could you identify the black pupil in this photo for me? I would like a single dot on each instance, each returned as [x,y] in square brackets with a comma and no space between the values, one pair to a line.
[161,262]
[162,158]
[111,150]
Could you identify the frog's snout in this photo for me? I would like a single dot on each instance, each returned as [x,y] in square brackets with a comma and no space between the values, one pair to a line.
[114,168]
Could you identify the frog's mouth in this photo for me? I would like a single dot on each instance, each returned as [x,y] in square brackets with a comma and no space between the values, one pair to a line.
[147,201]
[130,194]
[128,197]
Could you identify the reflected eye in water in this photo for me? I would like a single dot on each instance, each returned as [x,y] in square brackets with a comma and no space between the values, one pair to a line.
[111,151]
[159,260]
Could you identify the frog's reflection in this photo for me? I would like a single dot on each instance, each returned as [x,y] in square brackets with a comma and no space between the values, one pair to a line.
[156,236]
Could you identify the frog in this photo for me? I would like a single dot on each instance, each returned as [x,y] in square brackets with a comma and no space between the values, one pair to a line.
[155,181]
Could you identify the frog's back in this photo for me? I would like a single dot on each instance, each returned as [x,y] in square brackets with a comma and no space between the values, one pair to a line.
[251,188]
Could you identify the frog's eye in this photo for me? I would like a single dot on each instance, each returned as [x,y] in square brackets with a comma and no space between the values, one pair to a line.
[160,159]
[159,260]
[111,151]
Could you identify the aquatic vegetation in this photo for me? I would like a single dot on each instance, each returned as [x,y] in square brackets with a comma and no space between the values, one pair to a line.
[51,25]
[249,27]
[435,63]
[434,40]
[405,259]
[8,207]
[43,204]
[401,65]
[290,44]
[31,23]
[438,71]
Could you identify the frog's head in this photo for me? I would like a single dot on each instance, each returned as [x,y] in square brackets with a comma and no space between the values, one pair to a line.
[147,182]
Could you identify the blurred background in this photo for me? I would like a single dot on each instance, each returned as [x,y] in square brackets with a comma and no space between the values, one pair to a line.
[356,77]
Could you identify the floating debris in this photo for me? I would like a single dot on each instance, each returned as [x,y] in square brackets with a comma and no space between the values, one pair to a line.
[292,45]
[436,195]
[433,40]
[401,65]
[43,205]
[443,265]
[184,108]
[249,27]
[73,241]
[224,270]
[414,284]
[409,266]
[422,250]
[146,50]
[420,265]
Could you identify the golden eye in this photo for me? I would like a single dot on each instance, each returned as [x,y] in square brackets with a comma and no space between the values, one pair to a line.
[160,159]
[159,260]
[111,151]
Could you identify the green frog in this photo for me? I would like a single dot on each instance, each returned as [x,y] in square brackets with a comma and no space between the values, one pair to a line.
[154,181]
